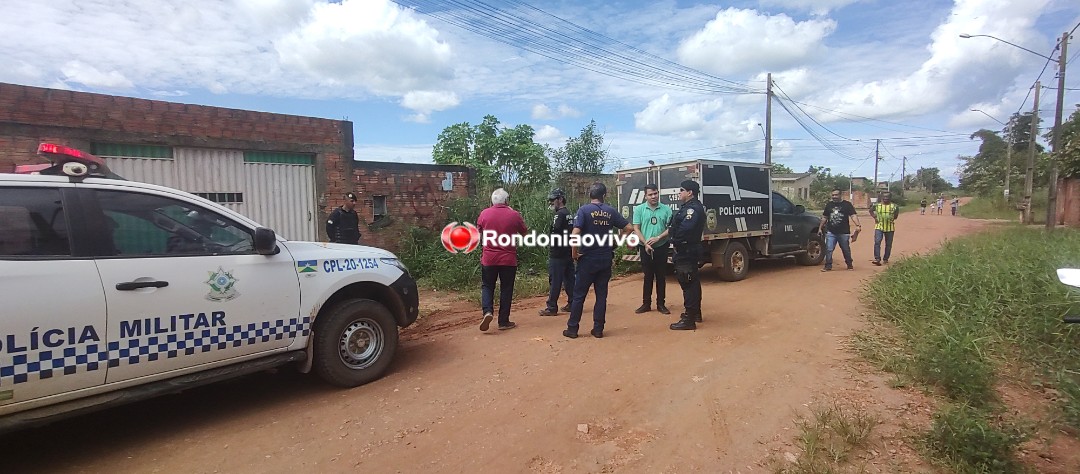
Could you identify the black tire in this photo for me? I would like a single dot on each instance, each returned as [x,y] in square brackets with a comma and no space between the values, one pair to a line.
[354,342]
[736,262]
[815,252]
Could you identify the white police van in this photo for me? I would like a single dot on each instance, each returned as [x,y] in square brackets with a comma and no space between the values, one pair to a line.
[114,291]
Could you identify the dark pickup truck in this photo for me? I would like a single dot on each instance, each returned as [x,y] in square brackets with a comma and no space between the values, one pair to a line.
[745,219]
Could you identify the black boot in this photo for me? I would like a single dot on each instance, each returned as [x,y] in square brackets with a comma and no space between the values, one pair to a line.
[685,323]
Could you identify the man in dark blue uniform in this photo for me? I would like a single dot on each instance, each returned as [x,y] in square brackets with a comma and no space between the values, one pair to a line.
[686,229]
[593,221]
[560,266]
[343,226]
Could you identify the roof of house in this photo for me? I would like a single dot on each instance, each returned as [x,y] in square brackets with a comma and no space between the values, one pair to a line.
[790,176]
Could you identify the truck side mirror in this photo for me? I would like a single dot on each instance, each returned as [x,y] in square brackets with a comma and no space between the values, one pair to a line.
[799,209]
[265,241]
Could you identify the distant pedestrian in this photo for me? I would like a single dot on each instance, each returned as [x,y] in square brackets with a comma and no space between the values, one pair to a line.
[836,224]
[922,206]
[955,204]
[884,213]
[595,219]
[498,262]
[560,263]
[343,225]
[686,228]
[940,204]
[651,220]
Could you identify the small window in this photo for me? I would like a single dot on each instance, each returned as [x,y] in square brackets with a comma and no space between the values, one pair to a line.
[378,205]
[32,223]
[223,198]
[148,225]
[781,205]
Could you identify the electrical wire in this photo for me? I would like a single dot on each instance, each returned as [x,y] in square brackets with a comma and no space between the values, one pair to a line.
[537,31]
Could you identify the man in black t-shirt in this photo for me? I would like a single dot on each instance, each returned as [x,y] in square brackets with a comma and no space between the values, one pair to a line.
[560,265]
[835,221]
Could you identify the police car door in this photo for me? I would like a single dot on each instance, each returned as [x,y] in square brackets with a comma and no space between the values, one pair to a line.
[185,287]
[52,326]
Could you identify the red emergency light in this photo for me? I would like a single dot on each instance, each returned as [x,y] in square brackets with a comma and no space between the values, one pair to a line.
[59,153]
[65,161]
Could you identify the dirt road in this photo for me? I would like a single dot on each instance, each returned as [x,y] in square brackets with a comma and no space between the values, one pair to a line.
[642,399]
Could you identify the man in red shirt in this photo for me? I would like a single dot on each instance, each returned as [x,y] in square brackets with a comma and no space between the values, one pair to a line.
[498,262]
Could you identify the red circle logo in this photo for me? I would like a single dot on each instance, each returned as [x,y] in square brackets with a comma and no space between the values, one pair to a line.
[464,237]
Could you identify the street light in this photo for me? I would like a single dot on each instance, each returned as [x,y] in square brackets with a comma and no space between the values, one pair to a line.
[1041,55]
[1051,195]
[1008,150]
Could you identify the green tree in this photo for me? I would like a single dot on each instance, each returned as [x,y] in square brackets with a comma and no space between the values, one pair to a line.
[983,173]
[778,168]
[930,180]
[1069,148]
[500,156]
[584,153]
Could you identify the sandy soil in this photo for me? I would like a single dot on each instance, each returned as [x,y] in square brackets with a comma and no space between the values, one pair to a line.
[642,399]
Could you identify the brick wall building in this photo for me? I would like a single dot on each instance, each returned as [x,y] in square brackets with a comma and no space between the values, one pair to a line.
[396,196]
[413,195]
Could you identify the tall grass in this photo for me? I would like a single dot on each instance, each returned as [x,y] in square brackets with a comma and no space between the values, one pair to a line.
[996,208]
[981,308]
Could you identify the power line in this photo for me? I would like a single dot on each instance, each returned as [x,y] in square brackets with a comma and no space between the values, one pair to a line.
[535,30]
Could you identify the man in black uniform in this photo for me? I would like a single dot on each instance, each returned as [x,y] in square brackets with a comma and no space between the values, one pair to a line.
[686,229]
[560,265]
[343,226]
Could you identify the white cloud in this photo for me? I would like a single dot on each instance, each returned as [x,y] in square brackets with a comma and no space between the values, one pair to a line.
[550,135]
[543,112]
[87,75]
[692,120]
[817,7]
[426,102]
[372,43]
[958,71]
[738,41]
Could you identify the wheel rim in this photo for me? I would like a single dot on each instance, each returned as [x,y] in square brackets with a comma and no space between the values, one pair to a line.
[813,249]
[738,261]
[360,344]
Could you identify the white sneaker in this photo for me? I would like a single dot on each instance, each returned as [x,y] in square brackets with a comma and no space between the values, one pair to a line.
[486,323]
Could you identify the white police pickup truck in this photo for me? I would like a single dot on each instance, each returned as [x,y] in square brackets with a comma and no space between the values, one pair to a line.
[113,291]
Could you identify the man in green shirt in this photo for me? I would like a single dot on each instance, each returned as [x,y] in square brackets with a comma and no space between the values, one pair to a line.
[651,221]
[884,213]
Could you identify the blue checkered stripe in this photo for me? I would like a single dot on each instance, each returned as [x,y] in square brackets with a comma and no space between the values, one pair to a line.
[47,363]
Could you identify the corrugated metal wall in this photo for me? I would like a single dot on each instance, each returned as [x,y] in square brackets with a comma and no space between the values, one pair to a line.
[279,196]
[282,198]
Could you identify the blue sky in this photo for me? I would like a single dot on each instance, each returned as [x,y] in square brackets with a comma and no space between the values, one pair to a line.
[859,70]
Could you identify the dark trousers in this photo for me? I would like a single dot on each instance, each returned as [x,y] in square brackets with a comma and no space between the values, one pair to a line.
[686,269]
[594,271]
[878,237]
[560,277]
[655,267]
[505,274]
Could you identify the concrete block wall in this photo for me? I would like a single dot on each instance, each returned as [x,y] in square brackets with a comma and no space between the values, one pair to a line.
[414,198]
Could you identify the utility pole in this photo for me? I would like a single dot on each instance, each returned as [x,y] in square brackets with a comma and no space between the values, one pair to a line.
[1029,175]
[1055,141]
[877,157]
[768,119]
[903,176]
[1008,157]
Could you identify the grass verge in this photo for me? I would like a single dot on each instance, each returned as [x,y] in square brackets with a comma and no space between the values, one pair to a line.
[982,309]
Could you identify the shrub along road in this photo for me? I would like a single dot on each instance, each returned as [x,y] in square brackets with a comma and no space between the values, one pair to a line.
[643,398]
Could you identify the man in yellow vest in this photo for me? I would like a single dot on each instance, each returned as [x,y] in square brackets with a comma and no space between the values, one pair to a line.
[884,213]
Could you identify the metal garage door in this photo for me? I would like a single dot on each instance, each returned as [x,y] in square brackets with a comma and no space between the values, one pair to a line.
[274,189]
